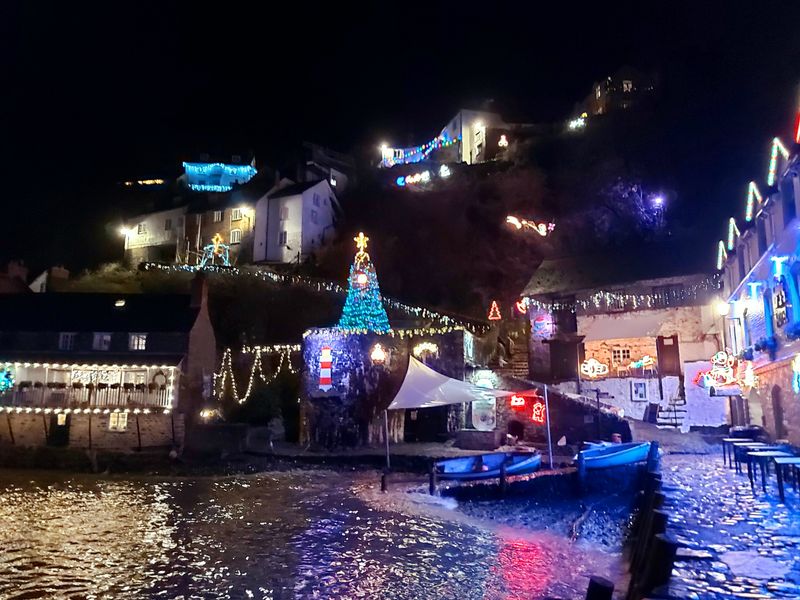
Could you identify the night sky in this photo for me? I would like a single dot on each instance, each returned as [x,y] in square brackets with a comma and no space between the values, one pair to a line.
[98,94]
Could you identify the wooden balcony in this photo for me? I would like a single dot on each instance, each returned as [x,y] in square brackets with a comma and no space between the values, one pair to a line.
[88,396]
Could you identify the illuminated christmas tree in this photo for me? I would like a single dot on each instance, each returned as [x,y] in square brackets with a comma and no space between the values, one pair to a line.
[363,309]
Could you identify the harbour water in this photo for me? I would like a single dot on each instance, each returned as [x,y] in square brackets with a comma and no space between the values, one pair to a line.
[300,534]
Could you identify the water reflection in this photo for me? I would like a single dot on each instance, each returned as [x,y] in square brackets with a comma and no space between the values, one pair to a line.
[275,536]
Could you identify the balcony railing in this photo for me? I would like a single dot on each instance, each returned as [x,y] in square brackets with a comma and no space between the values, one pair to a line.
[125,395]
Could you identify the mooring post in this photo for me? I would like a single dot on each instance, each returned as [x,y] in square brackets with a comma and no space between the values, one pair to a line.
[432,480]
[652,457]
[384,481]
[503,482]
[599,588]
[581,472]
[659,564]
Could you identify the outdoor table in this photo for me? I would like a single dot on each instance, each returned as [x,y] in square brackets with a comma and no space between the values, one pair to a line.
[762,457]
[745,445]
[727,447]
[786,461]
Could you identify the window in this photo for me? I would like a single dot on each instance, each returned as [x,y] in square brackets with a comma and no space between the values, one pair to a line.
[597,92]
[620,356]
[167,224]
[314,217]
[118,421]
[101,341]
[236,214]
[137,341]
[66,340]
[316,199]
[668,295]
[141,229]
[283,238]
[627,85]
[236,236]
[217,216]
[284,213]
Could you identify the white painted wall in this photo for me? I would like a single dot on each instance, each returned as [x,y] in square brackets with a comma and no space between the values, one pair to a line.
[293,214]
[621,388]
[156,233]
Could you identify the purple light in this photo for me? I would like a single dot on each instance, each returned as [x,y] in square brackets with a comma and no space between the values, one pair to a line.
[658,201]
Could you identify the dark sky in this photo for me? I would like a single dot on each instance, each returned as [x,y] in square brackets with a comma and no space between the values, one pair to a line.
[92,95]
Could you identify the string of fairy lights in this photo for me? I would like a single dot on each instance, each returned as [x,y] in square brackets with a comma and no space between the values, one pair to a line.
[48,410]
[320,286]
[606,299]
[225,374]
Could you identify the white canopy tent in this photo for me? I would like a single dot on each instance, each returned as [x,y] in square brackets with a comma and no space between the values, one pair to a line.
[425,388]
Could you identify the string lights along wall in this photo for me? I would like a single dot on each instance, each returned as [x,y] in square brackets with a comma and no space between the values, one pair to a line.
[225,375]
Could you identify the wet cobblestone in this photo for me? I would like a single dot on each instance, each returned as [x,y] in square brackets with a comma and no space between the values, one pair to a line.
[743,545]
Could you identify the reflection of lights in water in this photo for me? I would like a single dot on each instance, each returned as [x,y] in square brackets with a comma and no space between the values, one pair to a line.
[524,567]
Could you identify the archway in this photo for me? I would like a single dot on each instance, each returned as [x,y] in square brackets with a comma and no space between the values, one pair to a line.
[516,429]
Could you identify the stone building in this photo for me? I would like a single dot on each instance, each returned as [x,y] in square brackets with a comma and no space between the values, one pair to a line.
[760,270]
[625,326]
[117,371]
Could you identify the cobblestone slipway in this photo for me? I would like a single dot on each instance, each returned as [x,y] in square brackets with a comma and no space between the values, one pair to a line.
[744,545]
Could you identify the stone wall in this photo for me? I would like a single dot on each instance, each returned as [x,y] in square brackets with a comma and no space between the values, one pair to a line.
[155,430]
[775,389]
[621,391]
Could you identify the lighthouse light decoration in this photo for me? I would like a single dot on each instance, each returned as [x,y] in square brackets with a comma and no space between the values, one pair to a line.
[325,363]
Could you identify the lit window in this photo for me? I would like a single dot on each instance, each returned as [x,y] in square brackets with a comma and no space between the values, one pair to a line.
[316,199]
[101,341]
[314,217]
[284,213]
[167,224]
[236,214]
[597,92]
[236,236]
[118,421]
[620,355]
[217,216]
[137,341]
[66,340]
[141,229]
[627,85]
[283,238]
[333,180]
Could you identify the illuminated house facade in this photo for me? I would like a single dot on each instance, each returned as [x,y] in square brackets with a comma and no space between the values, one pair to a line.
[760,269]
[471,137]
[609,324]
[622,90]
[294,220]
[104,370]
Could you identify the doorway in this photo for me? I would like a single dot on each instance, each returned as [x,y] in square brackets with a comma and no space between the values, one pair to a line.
[777,412]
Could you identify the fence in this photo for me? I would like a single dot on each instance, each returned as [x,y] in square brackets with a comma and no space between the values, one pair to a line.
[63,396]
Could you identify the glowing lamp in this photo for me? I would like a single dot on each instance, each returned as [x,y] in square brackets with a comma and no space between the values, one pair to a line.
[125,232]
[658,201]
[378,355]
[722,308]
[361,279]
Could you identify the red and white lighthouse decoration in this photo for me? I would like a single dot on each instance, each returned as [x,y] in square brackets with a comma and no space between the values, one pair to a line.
[325,362]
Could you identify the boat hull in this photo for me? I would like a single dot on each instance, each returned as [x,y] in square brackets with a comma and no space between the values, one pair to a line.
[615,455]
[466,468]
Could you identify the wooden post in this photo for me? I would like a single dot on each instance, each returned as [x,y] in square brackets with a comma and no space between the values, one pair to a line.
[503,481]
[658,568]
[581,471]
[138,434]
[652,457]
[599,589]
[386,432]
[384,482]
[90,431]
[432,480]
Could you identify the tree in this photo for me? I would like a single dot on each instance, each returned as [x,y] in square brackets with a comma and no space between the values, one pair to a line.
[363,308]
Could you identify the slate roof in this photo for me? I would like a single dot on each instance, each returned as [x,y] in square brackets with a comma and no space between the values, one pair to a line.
[96,312]
[589,272]
[295,188]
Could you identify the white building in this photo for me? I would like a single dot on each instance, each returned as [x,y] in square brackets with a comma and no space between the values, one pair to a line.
[154,236]
[294,220]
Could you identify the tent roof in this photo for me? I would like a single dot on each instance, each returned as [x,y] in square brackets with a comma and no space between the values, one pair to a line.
[424,388]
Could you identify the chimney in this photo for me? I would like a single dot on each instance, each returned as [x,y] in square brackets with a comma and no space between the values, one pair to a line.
[199,291]
[17,268]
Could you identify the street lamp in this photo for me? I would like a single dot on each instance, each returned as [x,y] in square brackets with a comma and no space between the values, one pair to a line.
[378,355]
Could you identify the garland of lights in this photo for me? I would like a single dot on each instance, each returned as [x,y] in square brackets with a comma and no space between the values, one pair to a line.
[752,195]
[77,411]
[733,233]
[777,145]
[226,370]
[613,299]
[320,286]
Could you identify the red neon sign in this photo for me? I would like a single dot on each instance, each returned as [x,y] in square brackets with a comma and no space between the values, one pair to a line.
[538,414]
[517,402]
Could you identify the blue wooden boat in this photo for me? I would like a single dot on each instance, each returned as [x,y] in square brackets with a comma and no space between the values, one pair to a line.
[599,456]
[486,466]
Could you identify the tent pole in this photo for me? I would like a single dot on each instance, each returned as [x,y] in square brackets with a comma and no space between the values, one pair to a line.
[549,440]
[386,432]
